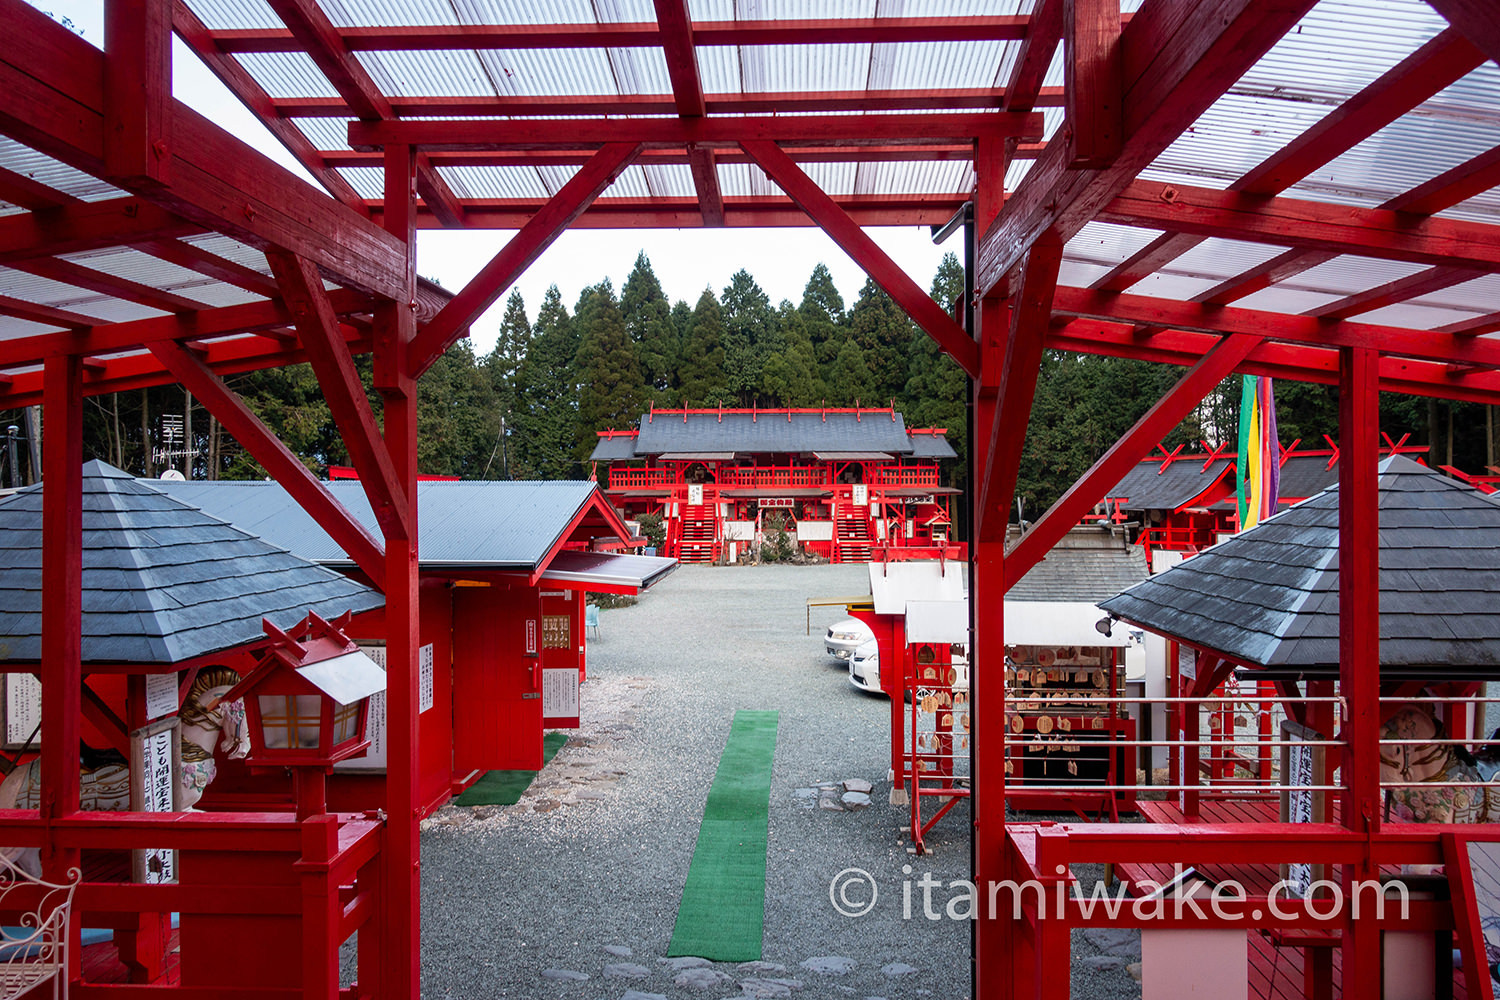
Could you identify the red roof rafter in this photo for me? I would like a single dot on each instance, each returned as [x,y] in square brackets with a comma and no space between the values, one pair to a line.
[667,156]
[1023,91]
[82,226]
[103,283]
[1176,64]
[1418,77]
[645,34]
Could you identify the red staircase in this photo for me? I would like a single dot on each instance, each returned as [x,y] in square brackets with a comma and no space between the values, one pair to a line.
[700,533]
[851,539]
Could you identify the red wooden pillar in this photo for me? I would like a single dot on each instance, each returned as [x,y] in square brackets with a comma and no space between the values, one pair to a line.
[62,600]
[995,940]
[1359,638]
[395,326]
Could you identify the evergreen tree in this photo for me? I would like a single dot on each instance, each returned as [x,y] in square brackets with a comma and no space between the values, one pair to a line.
[648,322]
[702,368]
[748,325]
[458,417]
[849,379]
[822,310]
[790,376]
[546,412]
[609,377]
[511,345]
[884,332]
[937,390]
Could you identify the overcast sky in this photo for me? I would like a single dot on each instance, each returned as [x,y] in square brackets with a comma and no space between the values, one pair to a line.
[685,260]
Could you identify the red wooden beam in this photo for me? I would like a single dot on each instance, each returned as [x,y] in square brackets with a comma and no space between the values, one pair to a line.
[79,276]
[756,102]
[62,599]
[1452,186]
[1426,72]
[18,189]
[56,82]
[1359,637]
[1369,232]
[931,317]
[1044,32]
[36,313]
[1413,286]
[437,195]
[1177,63]
[1160,313]
[1488,323]
[641,34]
[706,181]
[286,468]
[84,226]
[676,27]
[138,92]
[823,130]
[195,258]
[1297,362]
[1094,85]
[1153,425]
[318,326]
[1031,314]
[317,36]
[94,337]
[667,156]
[1476,19]
[242,85]
[526,246]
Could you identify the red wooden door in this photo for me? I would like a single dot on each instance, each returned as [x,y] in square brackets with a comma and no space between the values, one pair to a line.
[497,699]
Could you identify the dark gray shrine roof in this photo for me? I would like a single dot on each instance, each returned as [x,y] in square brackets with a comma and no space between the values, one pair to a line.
[1149,486]
[1089,564]
[675,434]
[1269,596]
[163,582]
[490,525]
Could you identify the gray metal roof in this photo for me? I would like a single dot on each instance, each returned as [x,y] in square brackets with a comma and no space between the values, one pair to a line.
[931,446]
[767,433]
[613,568]
[163,582]
[618,448]
[1089,564]
[1149,486]
[494,525]
[1269,596]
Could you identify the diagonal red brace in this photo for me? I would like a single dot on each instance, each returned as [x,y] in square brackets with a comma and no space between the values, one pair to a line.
[952,338]
[517,255]
[286,468]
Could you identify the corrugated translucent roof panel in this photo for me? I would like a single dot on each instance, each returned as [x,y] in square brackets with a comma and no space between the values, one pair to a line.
[1220,259]
[15,329]
[1172,284]
[766,68]
[54,174]
[413,74]
[374,13]
[527,11]
[232,14]
[287,74]
[1413,316]
[1104,243]
[367,182]
[555,72]
[1479,295]
[630,184]
[742,180]
[928,65]
[327,134]
[672,181]
[719,70]
[493,182]
[1348,274]
[914,177]
[1287,298]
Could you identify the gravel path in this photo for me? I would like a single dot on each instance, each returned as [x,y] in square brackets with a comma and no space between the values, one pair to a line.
[583,875]
[572,893]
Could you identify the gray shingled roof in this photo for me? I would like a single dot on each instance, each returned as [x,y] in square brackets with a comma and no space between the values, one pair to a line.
[1150,487]
[162,581]
[1087,565]
[767,433]
[495,525]
[931,446]
[619,448]
[1269,596]
[1301,477]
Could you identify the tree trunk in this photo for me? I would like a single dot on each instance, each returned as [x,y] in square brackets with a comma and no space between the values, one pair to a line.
[119,462]
[187,434]
[214,438]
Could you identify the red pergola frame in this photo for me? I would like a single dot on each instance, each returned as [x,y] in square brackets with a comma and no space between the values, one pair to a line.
[1133,85]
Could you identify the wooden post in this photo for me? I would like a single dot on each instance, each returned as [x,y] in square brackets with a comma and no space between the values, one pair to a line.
[1359,639]
[395,326]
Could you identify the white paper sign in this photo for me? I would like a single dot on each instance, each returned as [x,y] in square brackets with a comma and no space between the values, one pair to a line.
[424,678]
[374,757]
[560,693]
[861,494]
[161,695]
[156,759]
[23,708]
[695,493]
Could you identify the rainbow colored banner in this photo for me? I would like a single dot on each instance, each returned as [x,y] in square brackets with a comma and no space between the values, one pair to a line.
[1258,476]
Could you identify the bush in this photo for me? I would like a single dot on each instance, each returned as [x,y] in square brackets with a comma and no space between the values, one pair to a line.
[652,528]
[778,545]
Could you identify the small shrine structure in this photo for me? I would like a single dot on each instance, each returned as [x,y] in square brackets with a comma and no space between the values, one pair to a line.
[844,483]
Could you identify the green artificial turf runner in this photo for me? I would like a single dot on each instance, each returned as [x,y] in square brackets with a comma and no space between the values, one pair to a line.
[504,788]
[723,908]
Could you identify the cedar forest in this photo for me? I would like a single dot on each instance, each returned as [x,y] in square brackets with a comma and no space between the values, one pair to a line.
[530,408]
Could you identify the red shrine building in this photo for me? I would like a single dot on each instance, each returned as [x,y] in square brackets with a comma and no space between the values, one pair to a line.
[847,485]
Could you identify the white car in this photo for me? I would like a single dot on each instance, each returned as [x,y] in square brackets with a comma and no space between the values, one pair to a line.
[845,636]
[864,667]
